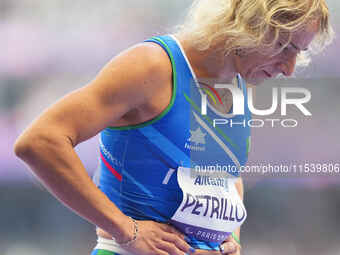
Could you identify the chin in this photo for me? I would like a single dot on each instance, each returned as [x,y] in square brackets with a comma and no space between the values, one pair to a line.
[257,77]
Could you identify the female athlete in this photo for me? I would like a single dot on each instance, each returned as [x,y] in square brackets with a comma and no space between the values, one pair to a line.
[150,197]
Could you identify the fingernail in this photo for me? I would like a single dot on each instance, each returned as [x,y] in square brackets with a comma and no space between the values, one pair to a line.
[231,246]
[187,239]
[192,250]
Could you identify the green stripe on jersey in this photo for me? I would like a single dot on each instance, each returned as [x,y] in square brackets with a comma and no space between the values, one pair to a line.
[105,252]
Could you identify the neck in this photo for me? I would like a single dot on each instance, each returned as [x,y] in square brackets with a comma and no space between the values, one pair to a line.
[210,63]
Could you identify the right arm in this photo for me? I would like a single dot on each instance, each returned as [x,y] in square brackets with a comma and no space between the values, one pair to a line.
[47,145]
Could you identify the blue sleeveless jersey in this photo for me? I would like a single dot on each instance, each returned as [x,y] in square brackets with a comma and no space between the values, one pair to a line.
[139,165]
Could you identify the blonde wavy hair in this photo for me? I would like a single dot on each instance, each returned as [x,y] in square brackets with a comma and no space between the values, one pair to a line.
[245,24]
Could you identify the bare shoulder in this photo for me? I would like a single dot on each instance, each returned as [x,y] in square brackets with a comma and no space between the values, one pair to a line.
[146,58]
[138,82]
[149,70]
[124,85]
[158,65]
[139,71]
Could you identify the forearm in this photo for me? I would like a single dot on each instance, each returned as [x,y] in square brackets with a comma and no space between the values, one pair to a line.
[56,164]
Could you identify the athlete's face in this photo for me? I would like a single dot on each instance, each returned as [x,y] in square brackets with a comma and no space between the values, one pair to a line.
[255,67]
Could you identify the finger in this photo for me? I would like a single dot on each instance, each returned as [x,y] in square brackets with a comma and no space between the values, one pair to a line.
[170,229]
[178,242]
[231,239]
[173,230]
[228,247]
[206,252]
[160,252]
[170,248]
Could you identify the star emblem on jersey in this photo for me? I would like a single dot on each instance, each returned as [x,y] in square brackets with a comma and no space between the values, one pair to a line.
[197,136]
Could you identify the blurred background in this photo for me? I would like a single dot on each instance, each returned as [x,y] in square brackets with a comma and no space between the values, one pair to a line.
[49,48]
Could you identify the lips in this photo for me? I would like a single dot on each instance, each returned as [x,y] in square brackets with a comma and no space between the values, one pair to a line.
[268,74]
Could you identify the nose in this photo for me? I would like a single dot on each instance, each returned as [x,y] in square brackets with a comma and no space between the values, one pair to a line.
[287,67]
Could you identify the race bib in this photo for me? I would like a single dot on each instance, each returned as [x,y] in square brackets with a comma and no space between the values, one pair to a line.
[211,208]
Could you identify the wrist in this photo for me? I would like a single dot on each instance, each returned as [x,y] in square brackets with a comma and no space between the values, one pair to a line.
[128,233]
